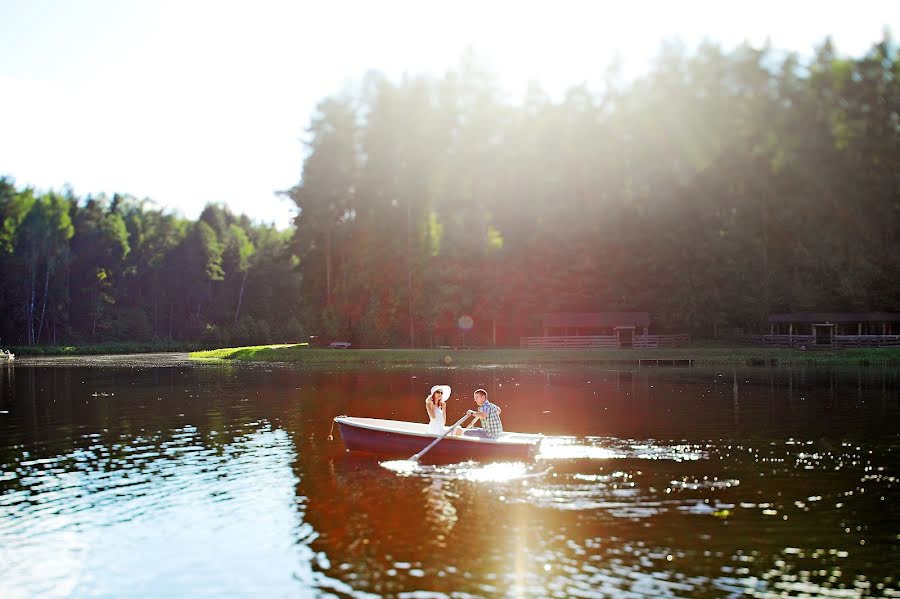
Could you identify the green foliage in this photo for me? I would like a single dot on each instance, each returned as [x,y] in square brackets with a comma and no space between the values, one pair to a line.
[713,190]
[238,250]
[293,331]
[14,207]
[130,347]
[101,270]
[716,189]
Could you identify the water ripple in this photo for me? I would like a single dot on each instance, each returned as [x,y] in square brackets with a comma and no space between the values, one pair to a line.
[65,505]
[606,448]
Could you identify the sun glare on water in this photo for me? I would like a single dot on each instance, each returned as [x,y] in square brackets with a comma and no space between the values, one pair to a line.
[402,467]
[498,472]
[561,448]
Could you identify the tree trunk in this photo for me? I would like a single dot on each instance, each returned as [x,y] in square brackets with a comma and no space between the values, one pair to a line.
[44,302]
[68,287]
[412,320]
[96,316]
[409,276]
[29,310]
[237,310]
[764,219]
[328,267]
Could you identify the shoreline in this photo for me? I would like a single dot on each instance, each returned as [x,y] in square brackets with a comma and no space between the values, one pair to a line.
[301,354]
[700,356]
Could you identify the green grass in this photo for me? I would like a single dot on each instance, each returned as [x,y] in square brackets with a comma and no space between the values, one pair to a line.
[253,352]
[702,355]
[123,347]
[711,353]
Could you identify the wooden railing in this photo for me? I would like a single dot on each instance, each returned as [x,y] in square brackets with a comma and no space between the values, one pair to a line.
[778,340]
[809,341]
[602,341]
[661,340]
[866,340]
[586,342]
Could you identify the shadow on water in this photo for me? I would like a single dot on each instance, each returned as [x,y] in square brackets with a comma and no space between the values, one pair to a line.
[188,479]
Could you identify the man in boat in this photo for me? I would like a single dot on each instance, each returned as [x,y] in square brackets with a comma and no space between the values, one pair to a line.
[488,414]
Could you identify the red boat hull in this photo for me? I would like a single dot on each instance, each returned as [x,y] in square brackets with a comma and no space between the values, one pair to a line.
[363,435]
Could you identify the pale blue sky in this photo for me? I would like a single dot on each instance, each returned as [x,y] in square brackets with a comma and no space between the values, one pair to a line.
[192,101]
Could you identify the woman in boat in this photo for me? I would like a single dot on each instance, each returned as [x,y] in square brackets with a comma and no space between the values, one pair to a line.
[436,406]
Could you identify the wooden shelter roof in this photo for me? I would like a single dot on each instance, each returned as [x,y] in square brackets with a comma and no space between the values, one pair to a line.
[597,319]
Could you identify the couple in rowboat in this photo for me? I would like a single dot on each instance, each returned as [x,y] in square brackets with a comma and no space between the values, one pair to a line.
[487,413]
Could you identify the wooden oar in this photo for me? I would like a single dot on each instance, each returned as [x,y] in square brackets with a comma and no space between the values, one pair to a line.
[415,458]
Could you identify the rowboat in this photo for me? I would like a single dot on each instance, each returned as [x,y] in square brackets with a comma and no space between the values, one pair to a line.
[402,438]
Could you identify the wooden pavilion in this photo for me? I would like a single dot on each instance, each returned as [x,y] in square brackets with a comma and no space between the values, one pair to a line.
[833,329]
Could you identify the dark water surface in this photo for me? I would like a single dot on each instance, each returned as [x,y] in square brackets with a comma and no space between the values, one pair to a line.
[208,480]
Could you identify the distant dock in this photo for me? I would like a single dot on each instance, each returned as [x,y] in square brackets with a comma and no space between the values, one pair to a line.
[665,362]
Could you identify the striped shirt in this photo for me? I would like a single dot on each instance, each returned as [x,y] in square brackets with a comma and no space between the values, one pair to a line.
[491,423]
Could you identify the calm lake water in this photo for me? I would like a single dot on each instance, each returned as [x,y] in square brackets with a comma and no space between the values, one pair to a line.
[118,479]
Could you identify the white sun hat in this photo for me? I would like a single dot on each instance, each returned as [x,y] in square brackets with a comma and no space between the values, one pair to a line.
[444,388]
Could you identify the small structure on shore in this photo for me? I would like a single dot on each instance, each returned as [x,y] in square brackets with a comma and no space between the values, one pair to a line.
[6,355]
[832,329]
[592,330]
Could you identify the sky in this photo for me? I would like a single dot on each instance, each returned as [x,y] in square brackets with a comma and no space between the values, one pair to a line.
[187,102]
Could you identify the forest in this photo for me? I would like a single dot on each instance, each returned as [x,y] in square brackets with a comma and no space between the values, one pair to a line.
[718,187]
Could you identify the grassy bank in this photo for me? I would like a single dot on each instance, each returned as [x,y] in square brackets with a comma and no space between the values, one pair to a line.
[718,355]
[125,347]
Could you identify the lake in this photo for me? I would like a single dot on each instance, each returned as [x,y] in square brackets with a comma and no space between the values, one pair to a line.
[158,477]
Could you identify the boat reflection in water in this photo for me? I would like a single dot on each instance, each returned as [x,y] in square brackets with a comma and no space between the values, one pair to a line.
[440,511]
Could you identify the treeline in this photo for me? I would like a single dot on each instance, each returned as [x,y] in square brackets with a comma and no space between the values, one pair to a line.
[719,187]
[98,269]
